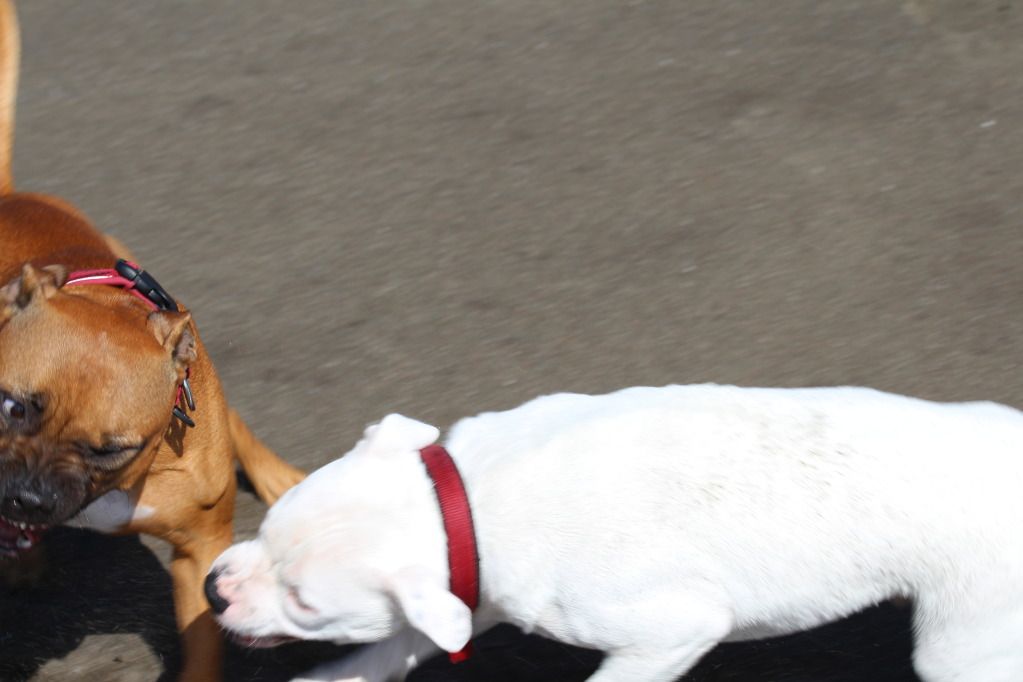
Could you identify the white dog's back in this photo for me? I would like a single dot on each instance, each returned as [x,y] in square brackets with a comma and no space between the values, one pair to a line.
[852,494]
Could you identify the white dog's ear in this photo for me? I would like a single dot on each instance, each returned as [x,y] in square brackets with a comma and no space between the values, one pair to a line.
[432,610]
[396,432]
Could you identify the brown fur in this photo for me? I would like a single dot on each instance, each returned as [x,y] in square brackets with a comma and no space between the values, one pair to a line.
[93,365]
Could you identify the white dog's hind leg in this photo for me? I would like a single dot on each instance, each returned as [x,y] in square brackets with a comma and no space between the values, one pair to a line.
[983,645]
[673,644]
[387,661]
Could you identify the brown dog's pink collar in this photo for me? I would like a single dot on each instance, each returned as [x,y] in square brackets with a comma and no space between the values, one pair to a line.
[131,278]
[143,286]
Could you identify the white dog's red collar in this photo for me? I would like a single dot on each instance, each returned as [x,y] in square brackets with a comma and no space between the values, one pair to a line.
[463,559]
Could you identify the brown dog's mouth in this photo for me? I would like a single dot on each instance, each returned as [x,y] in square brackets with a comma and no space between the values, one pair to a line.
[17,536]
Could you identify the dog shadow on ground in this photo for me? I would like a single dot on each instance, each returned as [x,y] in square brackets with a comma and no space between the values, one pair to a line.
[93,584]
[96,584]
[89,584]
[874,645]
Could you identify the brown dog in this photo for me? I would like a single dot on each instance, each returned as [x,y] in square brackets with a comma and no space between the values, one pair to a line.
[96,393]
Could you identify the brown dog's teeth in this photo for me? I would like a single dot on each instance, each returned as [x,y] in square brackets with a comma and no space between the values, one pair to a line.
[24,542]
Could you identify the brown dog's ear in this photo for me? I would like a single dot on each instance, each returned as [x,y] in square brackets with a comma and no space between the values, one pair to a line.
[172,331]
[34,282]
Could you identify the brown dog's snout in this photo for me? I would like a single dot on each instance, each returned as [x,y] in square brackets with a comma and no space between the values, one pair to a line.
[28,504]
[40,487]
[217,603]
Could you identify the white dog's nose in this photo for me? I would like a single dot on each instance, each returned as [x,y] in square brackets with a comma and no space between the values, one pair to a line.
[217,603]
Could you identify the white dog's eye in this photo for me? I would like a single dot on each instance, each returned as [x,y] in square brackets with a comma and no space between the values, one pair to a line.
[296,600]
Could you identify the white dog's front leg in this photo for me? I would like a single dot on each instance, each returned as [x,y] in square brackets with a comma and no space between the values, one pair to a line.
[386,661]
[650,666]
[669,651]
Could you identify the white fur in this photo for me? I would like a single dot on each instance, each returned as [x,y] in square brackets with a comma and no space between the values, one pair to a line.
[111,512]
[653,523]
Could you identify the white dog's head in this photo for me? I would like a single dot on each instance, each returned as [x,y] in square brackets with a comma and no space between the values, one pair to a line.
[354,553]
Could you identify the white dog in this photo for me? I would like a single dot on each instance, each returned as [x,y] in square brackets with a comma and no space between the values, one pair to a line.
[653,523]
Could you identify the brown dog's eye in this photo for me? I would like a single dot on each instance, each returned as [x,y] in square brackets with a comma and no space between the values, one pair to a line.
[111,456]
[111,450]
[12,409]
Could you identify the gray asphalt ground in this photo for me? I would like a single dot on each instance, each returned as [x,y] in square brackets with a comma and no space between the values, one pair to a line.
[444,207]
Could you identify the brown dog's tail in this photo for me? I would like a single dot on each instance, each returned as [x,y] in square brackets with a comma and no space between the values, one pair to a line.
[10,45]
[269,474]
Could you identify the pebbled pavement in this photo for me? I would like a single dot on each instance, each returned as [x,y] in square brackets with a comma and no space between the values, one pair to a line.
[446,207]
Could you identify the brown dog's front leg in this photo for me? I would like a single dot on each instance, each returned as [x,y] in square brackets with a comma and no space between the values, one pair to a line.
[202,646]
